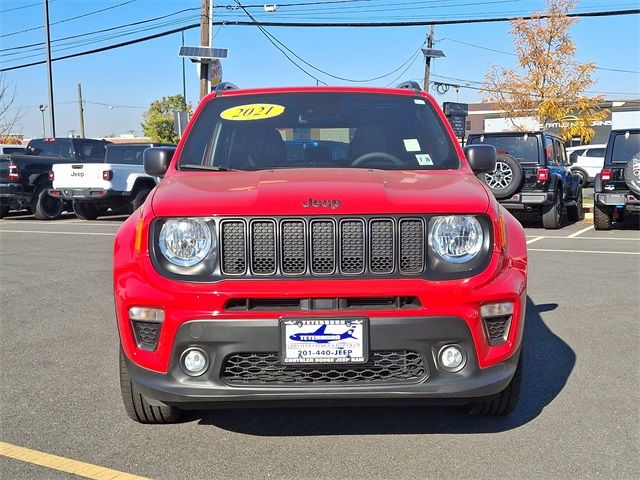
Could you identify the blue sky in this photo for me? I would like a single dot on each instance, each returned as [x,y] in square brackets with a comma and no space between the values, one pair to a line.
[128,79]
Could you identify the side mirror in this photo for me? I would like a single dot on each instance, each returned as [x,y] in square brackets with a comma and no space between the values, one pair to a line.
[482,158]
[157,159]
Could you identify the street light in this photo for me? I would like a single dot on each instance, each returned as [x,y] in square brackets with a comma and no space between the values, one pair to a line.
[42,109]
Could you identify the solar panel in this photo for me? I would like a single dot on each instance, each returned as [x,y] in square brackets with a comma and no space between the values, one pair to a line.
[203,52]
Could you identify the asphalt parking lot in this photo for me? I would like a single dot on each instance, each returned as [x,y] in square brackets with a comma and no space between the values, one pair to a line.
[59,394]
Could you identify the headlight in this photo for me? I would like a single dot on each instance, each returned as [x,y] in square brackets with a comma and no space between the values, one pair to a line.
[185,241]
[456,238]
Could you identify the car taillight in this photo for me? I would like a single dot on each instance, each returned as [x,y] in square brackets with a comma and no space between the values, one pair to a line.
[52,176]
[606,175]
[107,175]
[543,175]
[14,171]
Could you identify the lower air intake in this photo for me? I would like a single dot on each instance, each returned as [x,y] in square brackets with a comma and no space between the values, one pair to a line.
[146,334]
[498,329]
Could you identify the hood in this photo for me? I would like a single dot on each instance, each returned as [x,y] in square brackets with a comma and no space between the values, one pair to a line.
[326,191]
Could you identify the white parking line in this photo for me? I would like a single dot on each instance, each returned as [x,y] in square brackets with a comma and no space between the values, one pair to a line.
[581,251]
[574,235]
[535,239]
[49,232]
[556,237]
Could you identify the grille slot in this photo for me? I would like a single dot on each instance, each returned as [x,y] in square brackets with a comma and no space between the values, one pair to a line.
[146,334]
[352,246]
[323,254]
[263,247]
[498,329]
[338,303]
[411,245]
[293,247]
[386,367]
[234,248]
[381,246]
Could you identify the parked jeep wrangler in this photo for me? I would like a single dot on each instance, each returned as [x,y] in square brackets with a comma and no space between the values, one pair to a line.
[383,269]
[532,173]
[617,187]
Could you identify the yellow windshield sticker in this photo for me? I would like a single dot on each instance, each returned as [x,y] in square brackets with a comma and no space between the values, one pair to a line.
[255,111]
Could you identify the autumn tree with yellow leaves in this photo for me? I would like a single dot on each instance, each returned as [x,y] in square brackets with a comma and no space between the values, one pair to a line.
[550,85]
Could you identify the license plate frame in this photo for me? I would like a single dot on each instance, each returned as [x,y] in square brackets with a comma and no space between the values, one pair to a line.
[325,349]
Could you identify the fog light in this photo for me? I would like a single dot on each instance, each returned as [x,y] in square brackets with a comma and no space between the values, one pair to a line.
[496,309]
[452,358]
[146,314]
[194,362]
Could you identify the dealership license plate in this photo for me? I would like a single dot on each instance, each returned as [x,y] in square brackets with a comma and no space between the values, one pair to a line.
[78,192]
[324,340]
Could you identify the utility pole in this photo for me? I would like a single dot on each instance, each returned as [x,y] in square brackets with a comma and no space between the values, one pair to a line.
[427,60]
[81,108]
[52,117]
[184,76]
[205,27]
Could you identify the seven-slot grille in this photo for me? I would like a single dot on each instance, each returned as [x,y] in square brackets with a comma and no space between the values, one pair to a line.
[322,246]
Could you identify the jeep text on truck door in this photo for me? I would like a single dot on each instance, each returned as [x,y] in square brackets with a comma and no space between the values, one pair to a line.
[388,272]
[532,173]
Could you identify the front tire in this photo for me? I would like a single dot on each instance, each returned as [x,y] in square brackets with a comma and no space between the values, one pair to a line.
[576,213]
[4,211]
[602,217]
[137,407]
[47,207]
[502,404]
[552,214]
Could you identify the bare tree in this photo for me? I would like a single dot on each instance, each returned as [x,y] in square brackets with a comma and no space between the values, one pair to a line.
[10,116]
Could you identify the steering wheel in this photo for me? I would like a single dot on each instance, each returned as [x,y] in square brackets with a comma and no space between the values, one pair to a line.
[362,159]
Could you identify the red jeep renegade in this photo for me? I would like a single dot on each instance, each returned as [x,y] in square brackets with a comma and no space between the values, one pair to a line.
[314,244]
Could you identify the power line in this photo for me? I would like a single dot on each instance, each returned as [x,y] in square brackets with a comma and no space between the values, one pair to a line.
[70,18]
[514,55]
[24,6]
[314,25]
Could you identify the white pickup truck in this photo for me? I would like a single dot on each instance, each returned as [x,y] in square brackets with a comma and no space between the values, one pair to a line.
[119,183]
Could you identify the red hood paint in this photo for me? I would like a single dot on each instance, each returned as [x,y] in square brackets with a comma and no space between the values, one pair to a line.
[283,192]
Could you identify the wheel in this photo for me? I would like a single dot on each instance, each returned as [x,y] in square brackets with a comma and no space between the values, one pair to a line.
[584,178]
[632,174]
[137,407]
[4,211]
[576,213]
[138,198]
[506,179]
[502,404]
[86,210]
[602,217]
[552,214]
[47,207]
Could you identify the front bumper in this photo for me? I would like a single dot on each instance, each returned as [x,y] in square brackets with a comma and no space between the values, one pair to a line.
[624,199]
[85,194]
[222,338]
[524,200]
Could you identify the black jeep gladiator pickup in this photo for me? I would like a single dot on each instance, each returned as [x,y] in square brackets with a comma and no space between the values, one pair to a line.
[24,179]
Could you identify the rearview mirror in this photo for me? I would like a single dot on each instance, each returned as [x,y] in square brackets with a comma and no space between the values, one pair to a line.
[482,158]
[157,159]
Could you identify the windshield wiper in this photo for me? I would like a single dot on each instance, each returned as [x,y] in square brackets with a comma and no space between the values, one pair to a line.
[211,168]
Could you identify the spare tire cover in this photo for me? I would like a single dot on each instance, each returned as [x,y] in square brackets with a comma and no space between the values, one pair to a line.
[632,174]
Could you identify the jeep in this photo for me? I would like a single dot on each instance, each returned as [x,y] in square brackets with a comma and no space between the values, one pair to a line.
[532,174]
[617,186]
[405,281]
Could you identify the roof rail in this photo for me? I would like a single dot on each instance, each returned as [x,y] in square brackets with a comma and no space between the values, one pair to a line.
[410,84]
[225,86]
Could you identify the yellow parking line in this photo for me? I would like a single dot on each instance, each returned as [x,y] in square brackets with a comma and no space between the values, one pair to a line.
[82,469]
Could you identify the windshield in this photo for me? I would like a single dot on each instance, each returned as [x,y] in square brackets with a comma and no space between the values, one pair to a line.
[625,147]
[50,147]
[522,147]
[319,130]
[125,154]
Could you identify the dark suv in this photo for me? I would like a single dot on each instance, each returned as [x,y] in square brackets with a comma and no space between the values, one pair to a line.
[532,173]
[617,187]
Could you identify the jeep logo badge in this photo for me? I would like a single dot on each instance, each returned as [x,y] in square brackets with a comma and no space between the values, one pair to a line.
[77,174]
[332,204]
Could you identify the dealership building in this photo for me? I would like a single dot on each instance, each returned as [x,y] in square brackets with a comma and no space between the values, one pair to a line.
[485,118]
